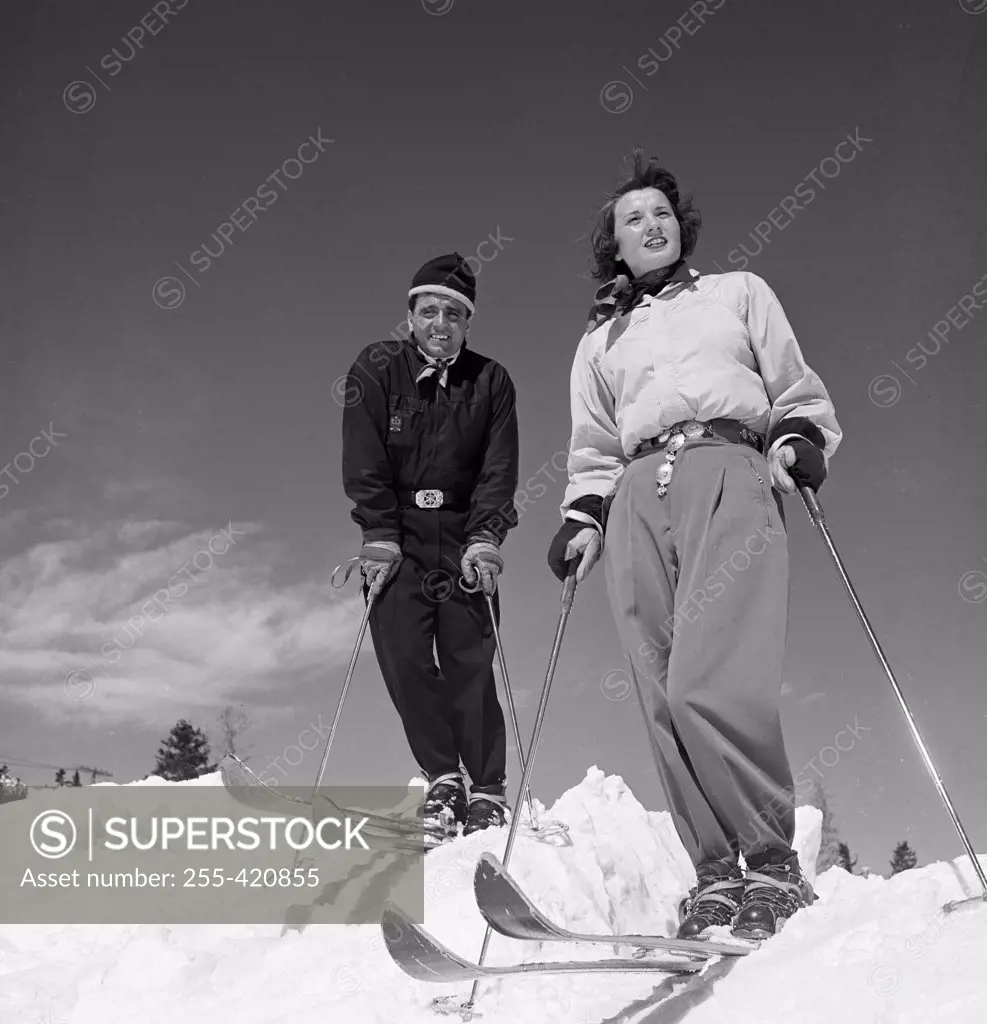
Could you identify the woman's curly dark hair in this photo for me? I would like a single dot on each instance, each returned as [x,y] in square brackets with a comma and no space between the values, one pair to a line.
[645,173]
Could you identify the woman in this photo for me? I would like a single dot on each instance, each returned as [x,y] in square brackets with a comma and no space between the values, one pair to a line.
[692,408]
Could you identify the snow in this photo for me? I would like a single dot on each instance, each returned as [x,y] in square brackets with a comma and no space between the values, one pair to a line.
[870,951]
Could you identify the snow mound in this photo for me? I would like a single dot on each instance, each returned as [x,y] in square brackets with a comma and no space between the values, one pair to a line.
[870,951]
[211,779]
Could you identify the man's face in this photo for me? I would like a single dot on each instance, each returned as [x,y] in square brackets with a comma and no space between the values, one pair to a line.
[646,231]
[439,324]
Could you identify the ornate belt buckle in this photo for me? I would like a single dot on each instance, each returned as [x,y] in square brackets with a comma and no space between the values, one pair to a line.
[676,438]
[428,499]
[664,473]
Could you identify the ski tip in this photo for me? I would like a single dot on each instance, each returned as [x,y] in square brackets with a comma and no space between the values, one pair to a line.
[394,923]
[406,942]
[488,867]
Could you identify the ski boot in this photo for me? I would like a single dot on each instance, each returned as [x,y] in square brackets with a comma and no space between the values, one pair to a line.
[446,808]
[773,893]
[714,900]
[487,810]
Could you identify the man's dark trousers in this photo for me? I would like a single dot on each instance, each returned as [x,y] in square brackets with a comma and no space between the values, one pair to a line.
[450,712]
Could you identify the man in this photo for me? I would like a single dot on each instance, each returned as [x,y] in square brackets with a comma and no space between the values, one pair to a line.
[430,461]
[692,408]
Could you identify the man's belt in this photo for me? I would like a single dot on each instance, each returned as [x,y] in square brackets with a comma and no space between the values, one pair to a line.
[430,497]
[675,437]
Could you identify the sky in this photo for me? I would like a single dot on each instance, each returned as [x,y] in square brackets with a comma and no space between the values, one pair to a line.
[208,210]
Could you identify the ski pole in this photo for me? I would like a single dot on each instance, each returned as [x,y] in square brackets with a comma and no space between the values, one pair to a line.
[507,689]
[568,591]
[346,684]
[342,697]
[818,520]
[510,705]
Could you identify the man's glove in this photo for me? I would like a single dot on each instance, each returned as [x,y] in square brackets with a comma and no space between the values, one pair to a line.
[482,558]
[805,461]
[379,561]
[574,540]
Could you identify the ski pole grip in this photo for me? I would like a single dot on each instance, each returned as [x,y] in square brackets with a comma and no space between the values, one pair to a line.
[812,506]
[569,586]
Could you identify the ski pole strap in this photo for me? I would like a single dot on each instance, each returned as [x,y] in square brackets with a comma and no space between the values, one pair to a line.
[350,565]
[466,588]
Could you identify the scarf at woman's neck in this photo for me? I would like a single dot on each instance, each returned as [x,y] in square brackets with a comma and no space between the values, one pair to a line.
[616,297]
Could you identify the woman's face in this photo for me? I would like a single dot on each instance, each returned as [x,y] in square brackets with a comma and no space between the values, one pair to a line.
[646,231]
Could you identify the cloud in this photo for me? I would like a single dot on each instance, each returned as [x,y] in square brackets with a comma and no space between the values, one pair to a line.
[786,690]
[127,490]
[145,620]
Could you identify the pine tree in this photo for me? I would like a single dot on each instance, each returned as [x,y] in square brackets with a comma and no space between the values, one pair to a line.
[904,858]
[60,777]
[830,840]
[846,862]
[184,754]
[76,781]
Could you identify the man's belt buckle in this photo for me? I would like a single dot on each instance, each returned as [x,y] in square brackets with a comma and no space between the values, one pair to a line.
[428,499]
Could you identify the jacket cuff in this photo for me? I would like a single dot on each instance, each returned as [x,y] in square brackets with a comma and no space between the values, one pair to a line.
[589,510]
[588,505]
[798,426]
[483,537]
[382,533]
[488,552]
[381,550]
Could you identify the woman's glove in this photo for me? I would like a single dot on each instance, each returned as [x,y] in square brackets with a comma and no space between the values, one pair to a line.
[574,540]
[795,464]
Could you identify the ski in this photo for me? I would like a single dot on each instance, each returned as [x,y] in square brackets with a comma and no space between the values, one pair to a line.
[509,911]
[424,958]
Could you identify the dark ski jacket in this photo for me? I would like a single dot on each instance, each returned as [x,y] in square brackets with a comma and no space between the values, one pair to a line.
[400,436]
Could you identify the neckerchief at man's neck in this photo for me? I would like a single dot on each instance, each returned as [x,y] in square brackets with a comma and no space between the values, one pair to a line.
[436,367]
